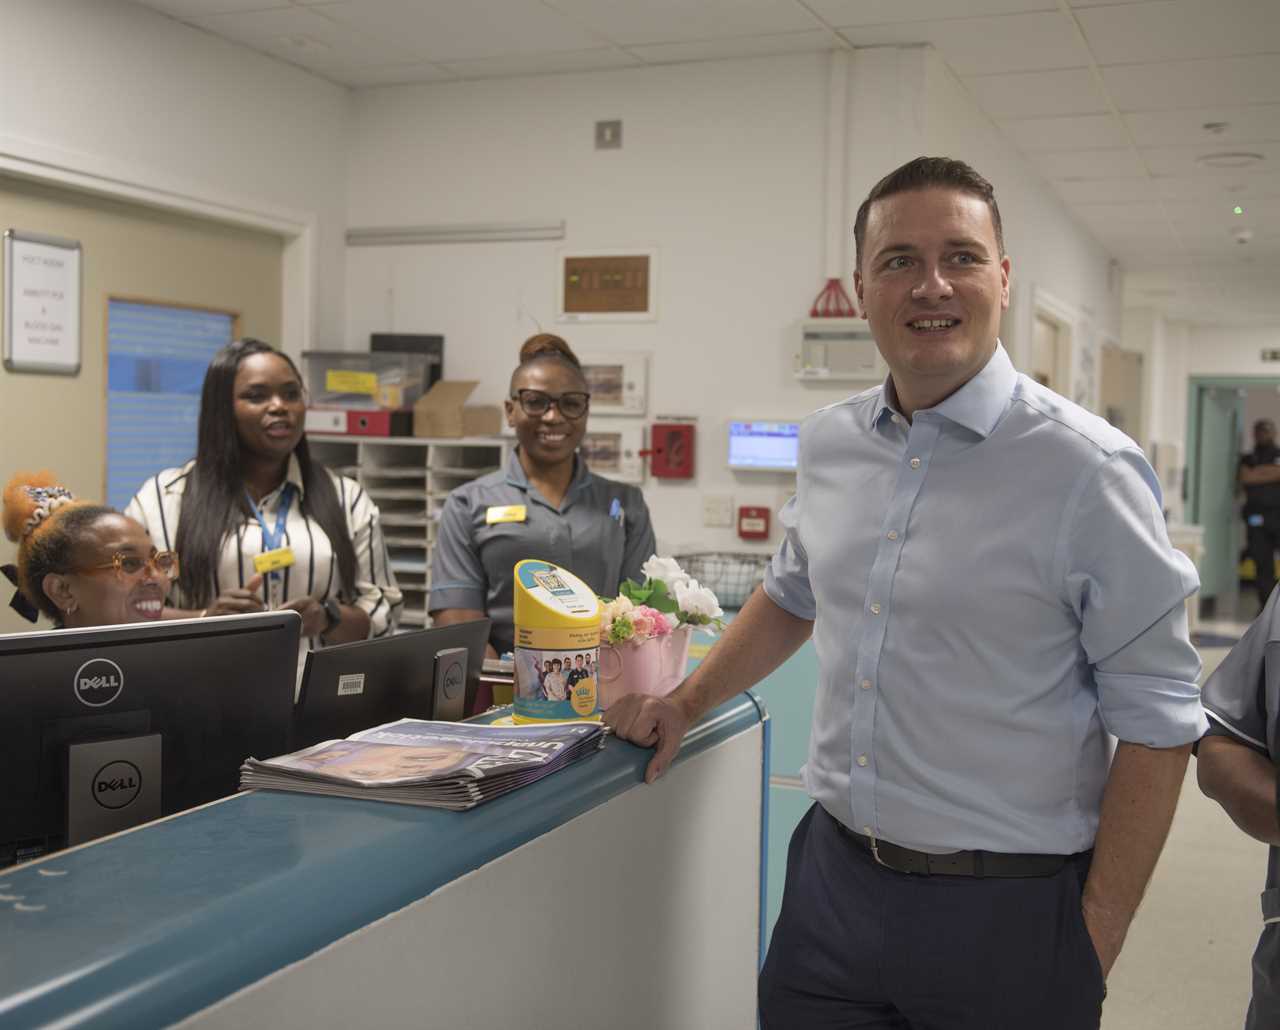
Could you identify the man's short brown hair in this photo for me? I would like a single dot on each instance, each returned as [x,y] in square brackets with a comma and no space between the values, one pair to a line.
[927,173]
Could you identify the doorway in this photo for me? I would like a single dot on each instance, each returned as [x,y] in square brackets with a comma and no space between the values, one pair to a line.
[1220,412]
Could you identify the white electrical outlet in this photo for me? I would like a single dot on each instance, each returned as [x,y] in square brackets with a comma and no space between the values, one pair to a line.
[717,510]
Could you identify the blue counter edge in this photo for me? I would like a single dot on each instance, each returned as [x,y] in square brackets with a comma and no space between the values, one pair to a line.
[266,923]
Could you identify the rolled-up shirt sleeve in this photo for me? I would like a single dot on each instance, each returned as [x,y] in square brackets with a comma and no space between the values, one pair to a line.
[376,591]
[1128,586]
[786,579]
[457,574]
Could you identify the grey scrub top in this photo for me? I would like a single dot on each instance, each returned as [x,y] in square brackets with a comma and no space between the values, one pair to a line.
[1242,699]
[601,533]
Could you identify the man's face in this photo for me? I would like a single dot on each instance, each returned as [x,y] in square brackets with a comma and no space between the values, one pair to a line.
[1264,434]
[932,285]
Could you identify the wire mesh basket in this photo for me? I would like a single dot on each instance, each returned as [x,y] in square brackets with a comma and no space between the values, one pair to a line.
[731,575]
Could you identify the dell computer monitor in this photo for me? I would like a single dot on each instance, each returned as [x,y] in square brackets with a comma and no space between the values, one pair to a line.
[105,728]
[425,674]
[764,446]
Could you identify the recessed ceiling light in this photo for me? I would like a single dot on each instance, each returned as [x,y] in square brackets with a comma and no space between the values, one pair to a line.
[1216,128]
[1231,159]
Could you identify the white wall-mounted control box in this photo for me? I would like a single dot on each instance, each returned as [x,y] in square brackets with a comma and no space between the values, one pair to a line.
[838,349]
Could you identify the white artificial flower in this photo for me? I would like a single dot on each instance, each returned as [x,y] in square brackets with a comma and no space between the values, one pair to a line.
[673,620]
[666,569]
[697,600]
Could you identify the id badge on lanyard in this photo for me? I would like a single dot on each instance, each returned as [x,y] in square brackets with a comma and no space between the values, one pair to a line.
[275,556]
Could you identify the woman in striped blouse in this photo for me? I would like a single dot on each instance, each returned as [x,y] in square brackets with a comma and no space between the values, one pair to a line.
[257,523]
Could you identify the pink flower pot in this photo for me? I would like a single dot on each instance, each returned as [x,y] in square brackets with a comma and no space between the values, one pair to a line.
[655,667]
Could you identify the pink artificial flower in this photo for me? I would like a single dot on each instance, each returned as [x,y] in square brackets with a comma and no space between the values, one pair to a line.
[661,627]
[642,622]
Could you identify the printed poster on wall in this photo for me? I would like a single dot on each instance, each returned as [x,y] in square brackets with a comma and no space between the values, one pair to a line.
[41,314]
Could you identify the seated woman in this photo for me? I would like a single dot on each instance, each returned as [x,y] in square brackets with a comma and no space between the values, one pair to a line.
[545,504]
[260,524]
[80,564]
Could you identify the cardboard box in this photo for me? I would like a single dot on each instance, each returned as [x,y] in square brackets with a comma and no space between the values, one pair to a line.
[443,411]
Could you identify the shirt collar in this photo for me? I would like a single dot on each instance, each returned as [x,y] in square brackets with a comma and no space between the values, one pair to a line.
[516,474]
[292,477]
[977,405]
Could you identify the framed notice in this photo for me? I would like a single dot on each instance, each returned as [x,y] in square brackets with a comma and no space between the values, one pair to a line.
[607,286]
[40,320]
[619,383]
[612,450]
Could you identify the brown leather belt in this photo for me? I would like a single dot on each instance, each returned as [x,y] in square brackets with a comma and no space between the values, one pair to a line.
[955,863]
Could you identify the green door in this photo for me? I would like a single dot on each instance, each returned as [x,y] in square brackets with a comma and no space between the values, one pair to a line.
[1214,497]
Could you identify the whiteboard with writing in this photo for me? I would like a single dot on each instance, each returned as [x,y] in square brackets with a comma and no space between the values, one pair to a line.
[41,314]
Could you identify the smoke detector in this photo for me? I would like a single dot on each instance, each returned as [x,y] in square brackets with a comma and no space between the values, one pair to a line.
[1242,235]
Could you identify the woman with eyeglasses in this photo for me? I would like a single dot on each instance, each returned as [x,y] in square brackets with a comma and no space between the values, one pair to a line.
[259,524]
[80,564]
[545,504]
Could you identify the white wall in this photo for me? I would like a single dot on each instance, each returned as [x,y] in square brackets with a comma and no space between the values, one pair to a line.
[722,170]
[120,92]
[1051,252]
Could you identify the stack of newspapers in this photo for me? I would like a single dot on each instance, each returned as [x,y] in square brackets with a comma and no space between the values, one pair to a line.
[454,765]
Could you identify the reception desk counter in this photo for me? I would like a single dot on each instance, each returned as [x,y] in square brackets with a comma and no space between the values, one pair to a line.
[584,900]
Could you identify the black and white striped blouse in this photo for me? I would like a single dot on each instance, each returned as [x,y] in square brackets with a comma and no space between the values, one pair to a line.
[314,573]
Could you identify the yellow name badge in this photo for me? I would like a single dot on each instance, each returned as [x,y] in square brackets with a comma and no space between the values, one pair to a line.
[505,513]
[273,561]
[342,380]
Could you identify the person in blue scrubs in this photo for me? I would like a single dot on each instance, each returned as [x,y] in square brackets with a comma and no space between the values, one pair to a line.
[545,504]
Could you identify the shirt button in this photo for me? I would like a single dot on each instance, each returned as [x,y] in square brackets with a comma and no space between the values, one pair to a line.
[875,609]
[893,534]
[915,463]
[865,684]
[862,760]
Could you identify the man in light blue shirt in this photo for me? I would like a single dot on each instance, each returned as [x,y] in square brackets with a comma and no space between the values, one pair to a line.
[985,571]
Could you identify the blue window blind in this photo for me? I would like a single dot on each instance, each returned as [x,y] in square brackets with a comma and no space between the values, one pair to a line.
[156,359]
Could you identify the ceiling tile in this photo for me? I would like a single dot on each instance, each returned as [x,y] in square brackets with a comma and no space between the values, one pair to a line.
[408,73]
[301,36]
[1089,131]
[599,59]
[638,22]
[1261,122]
[980,46]
[1231,81]
[746,46]
[1106,191]
[1119,163]
[884,12]
[1038,94]
[197,8]
[463,31]
[1181,30]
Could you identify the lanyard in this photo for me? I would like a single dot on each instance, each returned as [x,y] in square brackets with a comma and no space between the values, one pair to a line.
[272,539]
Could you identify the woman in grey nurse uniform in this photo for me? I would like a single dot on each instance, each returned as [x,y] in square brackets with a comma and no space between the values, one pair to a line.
[1237,766]
[545,504]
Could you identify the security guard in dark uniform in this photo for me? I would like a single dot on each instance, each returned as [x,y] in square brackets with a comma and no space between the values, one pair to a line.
[1238,768]
[545,504]
[1259,476]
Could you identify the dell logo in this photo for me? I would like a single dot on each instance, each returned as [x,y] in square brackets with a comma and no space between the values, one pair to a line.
[116,784]
[98,682]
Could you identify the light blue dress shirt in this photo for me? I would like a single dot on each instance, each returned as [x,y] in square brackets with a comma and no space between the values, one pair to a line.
[994,595]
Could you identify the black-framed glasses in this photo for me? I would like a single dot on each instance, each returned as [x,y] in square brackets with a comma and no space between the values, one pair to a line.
[536,403]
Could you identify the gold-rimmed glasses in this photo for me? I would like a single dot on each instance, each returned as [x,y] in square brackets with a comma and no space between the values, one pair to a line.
[163,565]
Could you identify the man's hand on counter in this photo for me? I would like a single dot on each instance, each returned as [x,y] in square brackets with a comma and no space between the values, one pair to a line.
[656,722]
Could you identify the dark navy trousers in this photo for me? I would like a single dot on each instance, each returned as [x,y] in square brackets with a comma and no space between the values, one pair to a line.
[859,945]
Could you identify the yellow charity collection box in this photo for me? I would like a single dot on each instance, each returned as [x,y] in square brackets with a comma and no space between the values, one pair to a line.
[557,656]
